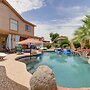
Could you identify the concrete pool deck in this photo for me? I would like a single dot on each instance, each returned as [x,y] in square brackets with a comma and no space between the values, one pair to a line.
[17,72]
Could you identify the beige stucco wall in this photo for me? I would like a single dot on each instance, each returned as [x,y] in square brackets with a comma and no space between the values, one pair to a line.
[5,14]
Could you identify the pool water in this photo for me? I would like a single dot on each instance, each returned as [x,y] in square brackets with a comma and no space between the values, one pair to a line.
[70,71]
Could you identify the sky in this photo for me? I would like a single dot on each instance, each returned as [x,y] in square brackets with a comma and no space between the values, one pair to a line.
[57,16]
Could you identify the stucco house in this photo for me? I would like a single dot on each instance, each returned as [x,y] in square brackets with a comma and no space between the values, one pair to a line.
[13,27]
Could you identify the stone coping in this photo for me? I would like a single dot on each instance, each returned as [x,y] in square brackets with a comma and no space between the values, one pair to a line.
[26,55]
[62,88]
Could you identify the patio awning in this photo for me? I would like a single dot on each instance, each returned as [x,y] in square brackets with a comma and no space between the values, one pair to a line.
[30,41]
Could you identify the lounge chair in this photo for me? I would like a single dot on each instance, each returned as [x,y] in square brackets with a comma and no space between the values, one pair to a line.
[2,55]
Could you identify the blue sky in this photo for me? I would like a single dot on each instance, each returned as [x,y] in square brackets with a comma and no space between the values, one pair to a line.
[57,16]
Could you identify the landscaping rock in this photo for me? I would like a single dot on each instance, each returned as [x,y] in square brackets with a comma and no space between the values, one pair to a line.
[43,79]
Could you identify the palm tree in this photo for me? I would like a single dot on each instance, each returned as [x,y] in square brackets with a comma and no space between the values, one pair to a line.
[82,34]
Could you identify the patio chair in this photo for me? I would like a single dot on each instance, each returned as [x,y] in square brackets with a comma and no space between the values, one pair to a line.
[2,55]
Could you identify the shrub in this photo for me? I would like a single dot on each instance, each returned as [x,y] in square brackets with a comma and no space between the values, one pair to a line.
[64,42]
[48,45]
[55,45]
[76,44]
[65,45]
[87,46]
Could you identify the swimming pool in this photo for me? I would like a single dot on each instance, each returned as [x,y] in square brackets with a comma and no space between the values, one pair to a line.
[70,71]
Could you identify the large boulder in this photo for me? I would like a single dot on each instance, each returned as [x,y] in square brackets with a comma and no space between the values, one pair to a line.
[43,79]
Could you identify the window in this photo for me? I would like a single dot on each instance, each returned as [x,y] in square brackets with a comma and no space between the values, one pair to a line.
[27,28]
[13,24]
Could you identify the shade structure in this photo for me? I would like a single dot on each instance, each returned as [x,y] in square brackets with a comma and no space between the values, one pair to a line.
[30,41]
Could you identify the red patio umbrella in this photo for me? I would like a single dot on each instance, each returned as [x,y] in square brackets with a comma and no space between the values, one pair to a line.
[30,41]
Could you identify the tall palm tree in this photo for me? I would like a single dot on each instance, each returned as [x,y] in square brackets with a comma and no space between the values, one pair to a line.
[82,34]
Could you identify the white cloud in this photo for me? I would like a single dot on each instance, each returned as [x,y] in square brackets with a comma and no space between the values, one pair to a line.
[42,30]
[26,5]
[70,26]
[74,10]
[66,28]
[62,8]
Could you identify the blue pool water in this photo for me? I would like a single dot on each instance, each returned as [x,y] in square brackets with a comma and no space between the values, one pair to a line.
[70,71]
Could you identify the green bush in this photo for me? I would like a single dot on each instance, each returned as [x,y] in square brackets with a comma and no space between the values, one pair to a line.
[55,45]
[76,44]
[87,46]
[48,46]
[64,42]
[65,45]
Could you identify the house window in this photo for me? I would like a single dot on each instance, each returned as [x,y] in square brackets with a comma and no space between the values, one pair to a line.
[27,28]
[13,24]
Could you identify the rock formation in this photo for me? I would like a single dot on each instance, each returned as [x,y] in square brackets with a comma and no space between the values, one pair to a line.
[43,79]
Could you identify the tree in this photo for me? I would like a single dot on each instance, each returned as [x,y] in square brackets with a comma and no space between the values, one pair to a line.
[82,34]
[53,36]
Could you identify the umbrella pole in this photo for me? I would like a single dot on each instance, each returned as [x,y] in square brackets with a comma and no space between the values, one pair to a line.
[30,51]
